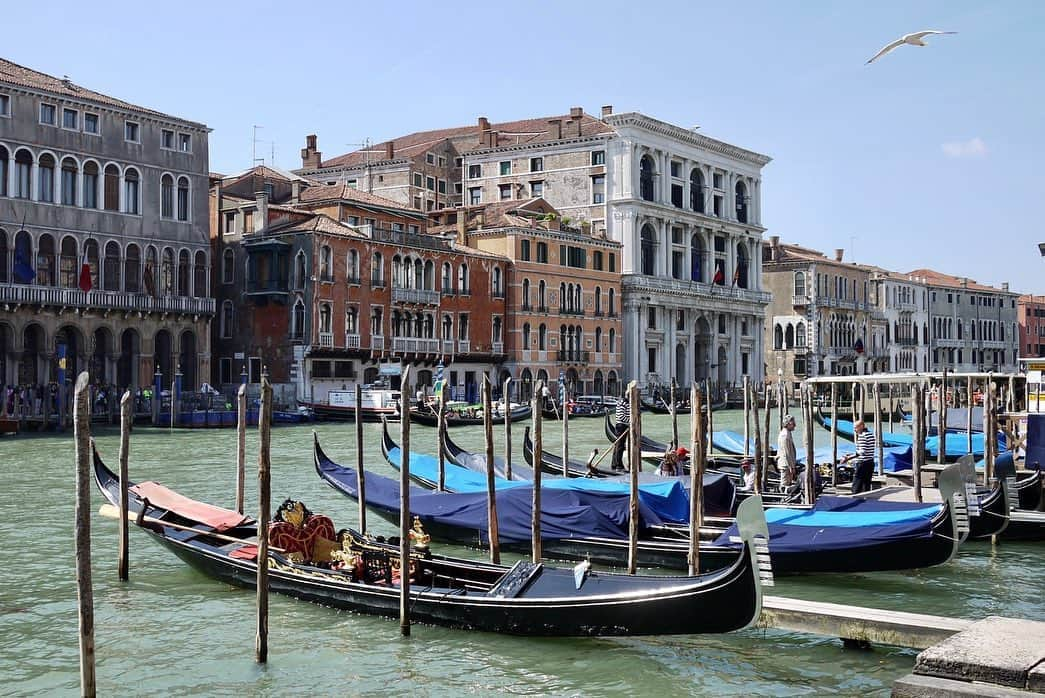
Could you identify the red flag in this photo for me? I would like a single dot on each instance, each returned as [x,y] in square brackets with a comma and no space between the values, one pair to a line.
[85,273]
[736,276]
[720,277]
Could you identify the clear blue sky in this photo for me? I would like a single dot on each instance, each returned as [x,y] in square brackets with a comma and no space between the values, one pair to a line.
[930,157]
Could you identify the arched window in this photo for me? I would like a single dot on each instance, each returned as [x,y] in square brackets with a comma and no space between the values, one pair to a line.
[166,196]
[351,320]
[696,190]
[462,279]
[740,275]
[183,273]
[68,263]
[598,301]
[45,260]
[199,275]
[429,275]
[497,330]
[800,335]
[542,303]
[353,267]
[646,178]
[167,273]
[377,270]
[90,247]
[325,271]
[111,267]
[90,184]
[800,284]
[297,320]
[131,191]
[649,250]
[45,186]
[300,270]
[526,336]
[565,299]
[228,266]
[613,341]
[132,263]
[419,274]
[429,327]
[183,201]
[778,337]
[325,316]
[5,164]
[497,292]
[696,256]
[789,337]
[4,254]
[598,339]
[542,337]
[447,282]
[150,270]
[612,307]
[526,294]
[23,174]
[70,177]
[742,199]
[228,319]
[448,328]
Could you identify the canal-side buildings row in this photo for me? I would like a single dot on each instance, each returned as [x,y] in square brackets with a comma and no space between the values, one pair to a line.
[104,237]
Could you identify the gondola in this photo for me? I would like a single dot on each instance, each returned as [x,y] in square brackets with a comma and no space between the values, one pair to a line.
[578,410]
[681,407]
[524,599]
[955,443]
[477,462]
[454,418]
[837,534]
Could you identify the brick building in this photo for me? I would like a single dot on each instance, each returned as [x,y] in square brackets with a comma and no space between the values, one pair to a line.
[1030,315]
[563,295]
[338,281]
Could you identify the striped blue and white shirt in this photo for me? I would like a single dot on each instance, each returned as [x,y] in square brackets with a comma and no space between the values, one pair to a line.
[865,444]
[624,411]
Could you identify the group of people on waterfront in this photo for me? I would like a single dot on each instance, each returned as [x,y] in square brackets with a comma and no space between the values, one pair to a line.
[42,399]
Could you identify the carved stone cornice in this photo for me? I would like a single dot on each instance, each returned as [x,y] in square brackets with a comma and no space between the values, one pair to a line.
[684,135]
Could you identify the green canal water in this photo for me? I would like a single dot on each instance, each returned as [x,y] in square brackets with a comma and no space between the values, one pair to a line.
[172,631]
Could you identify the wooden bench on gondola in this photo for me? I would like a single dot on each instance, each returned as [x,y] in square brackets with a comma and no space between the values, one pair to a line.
[515,580]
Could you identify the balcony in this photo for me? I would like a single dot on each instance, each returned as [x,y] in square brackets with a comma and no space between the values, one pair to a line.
[542,309]
[447,291]
[498,294]
[526,307]
[326,339]
[377,283]
[574,357]
[377,342]
[414,345]
[571,312]
[415,295]
[498,347]
[352,280]
[351,341]
[464,346]
[448,346]
[269,287]
[799,301]
[104,300]
[641,283]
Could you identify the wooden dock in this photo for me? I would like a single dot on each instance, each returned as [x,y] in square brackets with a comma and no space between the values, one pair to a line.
[859,624]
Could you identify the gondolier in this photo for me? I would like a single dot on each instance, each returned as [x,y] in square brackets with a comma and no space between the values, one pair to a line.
[622,427]
[864,457]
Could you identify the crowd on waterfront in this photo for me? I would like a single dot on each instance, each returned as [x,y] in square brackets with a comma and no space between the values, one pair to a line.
[43,399]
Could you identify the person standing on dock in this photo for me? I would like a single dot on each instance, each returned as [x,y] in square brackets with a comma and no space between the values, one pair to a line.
[622,428]
[864,457]
[786,456]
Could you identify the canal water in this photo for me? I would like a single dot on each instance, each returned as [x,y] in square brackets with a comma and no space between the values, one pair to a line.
[172,631]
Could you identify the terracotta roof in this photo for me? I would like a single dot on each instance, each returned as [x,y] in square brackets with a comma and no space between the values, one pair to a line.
[937,278]
[466,138]
[27,77]
[344,192]
[313,223]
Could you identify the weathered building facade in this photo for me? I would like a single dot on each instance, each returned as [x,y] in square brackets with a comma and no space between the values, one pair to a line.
[1030,314]
[903,299]
[104,254]
[563,295]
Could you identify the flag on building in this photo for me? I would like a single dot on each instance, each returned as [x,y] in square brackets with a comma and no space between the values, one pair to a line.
[85,273]
[23,270]
[720,276]
[736,275]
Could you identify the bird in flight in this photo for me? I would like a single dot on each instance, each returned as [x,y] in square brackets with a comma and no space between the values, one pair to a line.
[914,39]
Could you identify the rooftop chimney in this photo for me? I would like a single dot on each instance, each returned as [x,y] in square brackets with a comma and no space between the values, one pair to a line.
[262,220]
[295,192]
[310,157]
[462,228]
[390,150]
[484,123]
[1005,286]
[774,247]
[576,112]
[607,109]
[839,253]
[555,129]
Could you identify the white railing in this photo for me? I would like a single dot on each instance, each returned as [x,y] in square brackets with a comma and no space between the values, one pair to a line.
[404,345]
[351,341]
[498,347]
[377,341]
[415,295]
[106,300]
[431,346]
[448,346]
[326,339]
[464,346]
[526,355]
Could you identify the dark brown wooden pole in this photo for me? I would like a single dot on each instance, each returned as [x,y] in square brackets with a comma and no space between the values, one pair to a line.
[696,478]
[491,489]
[241,444]
[878,440]
[758,441]
[941,420]
[507,431]
[565,434]
[360,471]
[261,644]
[918,452]
[84,584]
[440,424]
[710,439]
[834,434]
[674,416]
[538,449]
[806,397]
[126,417]
[634,465]
[990,439]
[747,416]
[968,416]
[404,503]
[769,442]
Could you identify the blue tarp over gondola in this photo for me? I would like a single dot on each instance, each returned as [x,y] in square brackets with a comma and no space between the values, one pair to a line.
[837,523]
[666,498]
[565,513]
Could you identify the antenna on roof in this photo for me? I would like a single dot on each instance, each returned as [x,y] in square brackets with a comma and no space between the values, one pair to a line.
[366,145]
[254,148]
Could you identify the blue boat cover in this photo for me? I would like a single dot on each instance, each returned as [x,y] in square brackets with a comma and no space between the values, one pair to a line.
[956,444]
[838,523]
[1035,459]
[667,498]
[565,513]
[889,438]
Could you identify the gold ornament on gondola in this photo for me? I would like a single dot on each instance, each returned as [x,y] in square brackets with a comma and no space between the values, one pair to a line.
[417,535]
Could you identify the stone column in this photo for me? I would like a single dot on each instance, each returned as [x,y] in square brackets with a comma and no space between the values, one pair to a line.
[628,167]
[34,183]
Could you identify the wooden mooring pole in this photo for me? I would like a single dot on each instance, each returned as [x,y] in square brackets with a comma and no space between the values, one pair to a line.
[807,429]
[674,416]
[918,452]
[538,448]
[708,402]
[765,451]
[241,444]
[491,490]
[565,432]
[126,417]
[84,584]
[747,417]
[834,434]
[696,478]
[404,503]
[941,420]
[879,442]
[507,431]
[634,465]
[261,642]
[440,423]
[968,415]
[360,472]
[758,441]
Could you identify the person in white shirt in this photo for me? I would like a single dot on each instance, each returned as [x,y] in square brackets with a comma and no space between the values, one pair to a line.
[786,456]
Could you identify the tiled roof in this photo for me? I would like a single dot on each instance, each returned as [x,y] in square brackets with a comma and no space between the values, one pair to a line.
[343,192]
[937,278]
[466,138]
[27,77]
[314,223]
[267,171]
[795,253]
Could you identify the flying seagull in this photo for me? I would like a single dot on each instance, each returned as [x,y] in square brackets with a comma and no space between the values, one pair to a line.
[914,39]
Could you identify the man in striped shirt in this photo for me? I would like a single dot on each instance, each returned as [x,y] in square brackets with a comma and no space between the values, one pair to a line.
[864,458]
[622,430]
